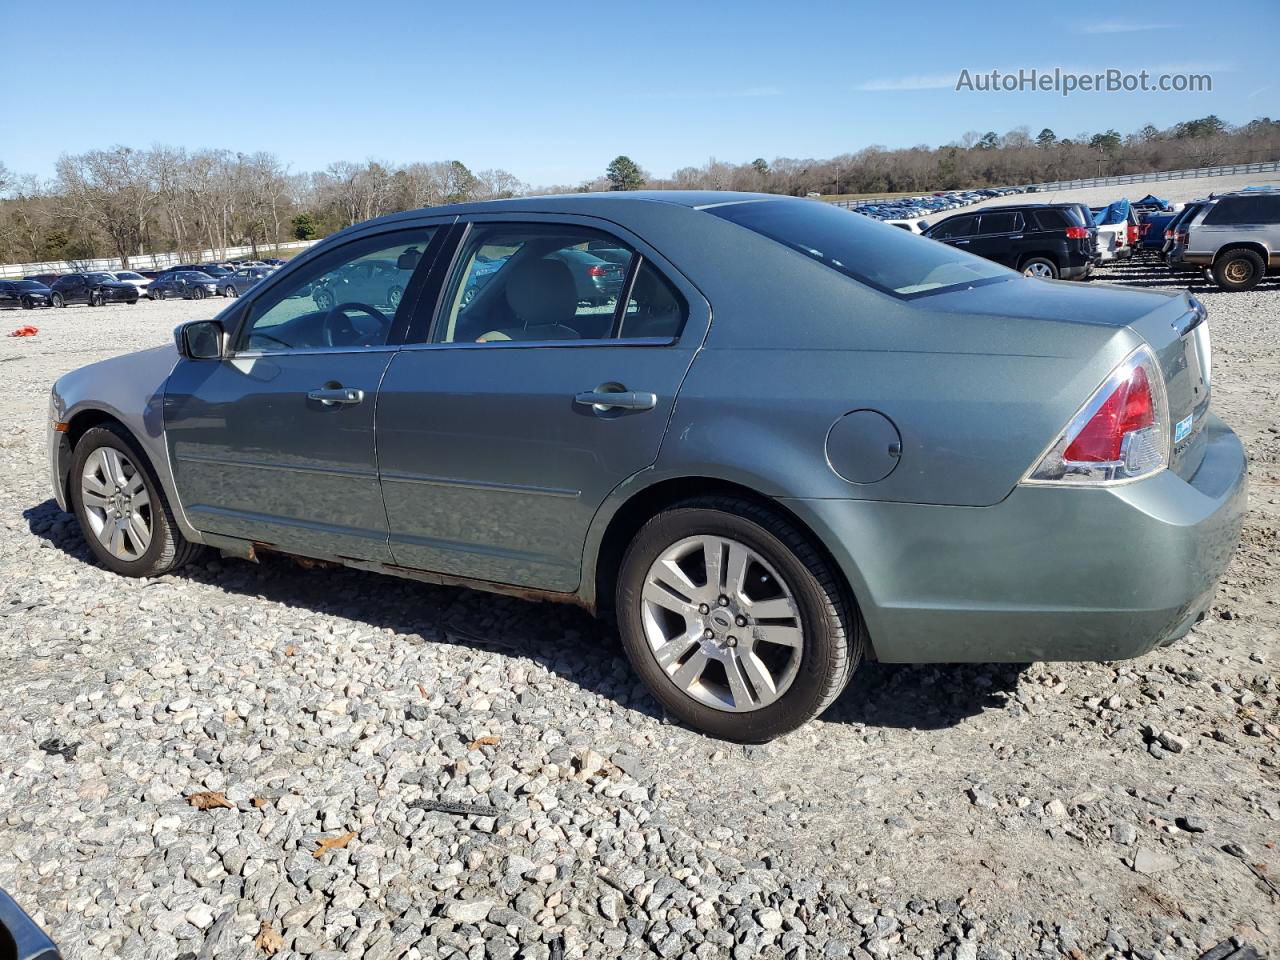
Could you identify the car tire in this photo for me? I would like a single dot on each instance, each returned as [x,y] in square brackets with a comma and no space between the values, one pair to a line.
[230,292]
[198,293]
[801,677]
[92,301]
[155,295]
[394,295]
[167,549]
[1239,269]
[58,300]
[1041,267]
[27,304]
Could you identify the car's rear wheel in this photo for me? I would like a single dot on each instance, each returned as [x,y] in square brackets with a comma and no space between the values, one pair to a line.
[734,620]
[58,300]
[1239,270]
[121,507]
[1041,267]
[230,292]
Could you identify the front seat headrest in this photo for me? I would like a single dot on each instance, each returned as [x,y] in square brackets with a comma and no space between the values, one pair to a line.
[542,292]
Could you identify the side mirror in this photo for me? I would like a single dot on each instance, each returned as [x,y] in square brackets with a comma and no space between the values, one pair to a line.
[201,340]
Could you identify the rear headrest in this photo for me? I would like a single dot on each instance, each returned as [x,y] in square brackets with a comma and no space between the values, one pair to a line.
[542,292]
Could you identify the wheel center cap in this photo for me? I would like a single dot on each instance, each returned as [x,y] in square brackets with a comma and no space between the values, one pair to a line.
[721,620]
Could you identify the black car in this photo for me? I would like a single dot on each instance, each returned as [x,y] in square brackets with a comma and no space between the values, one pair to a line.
[1040,240]
[188,284]
[26,294]
[95,289]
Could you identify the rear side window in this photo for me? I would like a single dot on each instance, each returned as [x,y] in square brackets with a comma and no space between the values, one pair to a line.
[1000,223]
[1054,220]
[1259,209]
[892,261]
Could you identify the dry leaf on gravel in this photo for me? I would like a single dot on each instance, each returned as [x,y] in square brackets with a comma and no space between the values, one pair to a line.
[260,802]
[267,940]
[209,799]
[333,843]
[482,742]
[290,650]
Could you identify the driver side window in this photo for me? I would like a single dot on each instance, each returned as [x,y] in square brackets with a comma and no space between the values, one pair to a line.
[349,296]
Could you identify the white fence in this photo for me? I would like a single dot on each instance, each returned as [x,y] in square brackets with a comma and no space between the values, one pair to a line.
[1227,170]
[147,261]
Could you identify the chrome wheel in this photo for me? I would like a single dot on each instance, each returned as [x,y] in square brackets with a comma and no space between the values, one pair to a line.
[393,297]
[1038,270]
[116,503]
[722,624]
[1238,271]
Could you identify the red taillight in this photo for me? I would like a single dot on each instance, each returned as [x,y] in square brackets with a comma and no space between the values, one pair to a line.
[598,272]
[1133,233]
[1077,233]
[1168,234]
[1130,407]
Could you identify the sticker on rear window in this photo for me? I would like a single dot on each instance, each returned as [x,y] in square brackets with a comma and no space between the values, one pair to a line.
[1182,428]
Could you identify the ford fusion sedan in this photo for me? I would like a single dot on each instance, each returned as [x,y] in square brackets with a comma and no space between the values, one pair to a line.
[799,439]
[242,280]
[93,289]
[187,284]
[24,294]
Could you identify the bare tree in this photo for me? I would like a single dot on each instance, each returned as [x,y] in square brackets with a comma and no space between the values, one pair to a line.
[112,190]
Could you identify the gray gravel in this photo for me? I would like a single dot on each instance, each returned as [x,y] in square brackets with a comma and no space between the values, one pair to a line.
[398,771]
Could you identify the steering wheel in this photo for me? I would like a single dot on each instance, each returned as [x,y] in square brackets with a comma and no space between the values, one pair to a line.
[339,330]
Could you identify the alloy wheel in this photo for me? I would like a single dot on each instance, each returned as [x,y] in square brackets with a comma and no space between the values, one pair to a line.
[722,624]
[1038,270]
[116,503]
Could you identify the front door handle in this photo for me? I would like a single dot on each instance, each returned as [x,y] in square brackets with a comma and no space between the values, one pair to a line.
[960,243]
[332,396]
[618,400]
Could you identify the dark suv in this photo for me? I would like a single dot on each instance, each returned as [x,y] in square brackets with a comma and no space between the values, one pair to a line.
[1040,240]
[1238,238]
[95,289]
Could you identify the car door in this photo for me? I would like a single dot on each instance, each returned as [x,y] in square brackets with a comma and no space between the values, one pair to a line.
[9,295]
[275,441]
[996,237]
[499,434]
[957,231]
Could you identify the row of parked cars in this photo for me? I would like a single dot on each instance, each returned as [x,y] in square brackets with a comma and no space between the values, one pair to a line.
[96,288]
[909,210]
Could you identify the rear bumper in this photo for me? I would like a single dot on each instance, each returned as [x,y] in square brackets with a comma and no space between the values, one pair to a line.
[1050,573]
[1076,272]
[1197,259]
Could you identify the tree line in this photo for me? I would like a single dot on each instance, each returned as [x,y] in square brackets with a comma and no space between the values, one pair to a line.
[121,201]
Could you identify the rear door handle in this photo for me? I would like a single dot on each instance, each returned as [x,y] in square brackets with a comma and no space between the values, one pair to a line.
[332,396]
[621,400]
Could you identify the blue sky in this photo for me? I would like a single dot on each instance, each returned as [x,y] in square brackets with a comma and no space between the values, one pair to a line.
[553,91]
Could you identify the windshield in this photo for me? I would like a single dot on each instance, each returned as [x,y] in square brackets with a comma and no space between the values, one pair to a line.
[197,277]
[129,275]
[29,285]
[102,277]
[891,260]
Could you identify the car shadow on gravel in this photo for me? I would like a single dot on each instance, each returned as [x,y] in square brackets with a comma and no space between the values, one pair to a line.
[567,640]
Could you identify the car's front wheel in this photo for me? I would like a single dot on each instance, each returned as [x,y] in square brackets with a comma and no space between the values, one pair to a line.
[230,292]
[58,300]
[121,507]
[198,293]
[734,620]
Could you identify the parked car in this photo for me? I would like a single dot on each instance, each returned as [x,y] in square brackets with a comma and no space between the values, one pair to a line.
[94,289]
[23,294]
[377,282]
[911,226]
[240,281]
[135,278]
[187,284]
[1237,239]
[810,499]
[1039,240]
[1176,237]
[21,937]
[598,281]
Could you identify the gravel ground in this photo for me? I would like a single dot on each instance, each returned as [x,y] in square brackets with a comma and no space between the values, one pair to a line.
[392,770]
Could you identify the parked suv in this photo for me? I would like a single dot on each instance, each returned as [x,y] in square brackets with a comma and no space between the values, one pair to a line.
[1040,240]
[1238,238]
[1175,235]
[95,289]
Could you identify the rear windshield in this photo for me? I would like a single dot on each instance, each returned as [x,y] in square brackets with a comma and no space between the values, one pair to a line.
[893,261]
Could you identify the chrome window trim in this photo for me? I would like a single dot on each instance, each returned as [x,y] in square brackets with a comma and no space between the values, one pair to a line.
[536,344]
[308,352]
